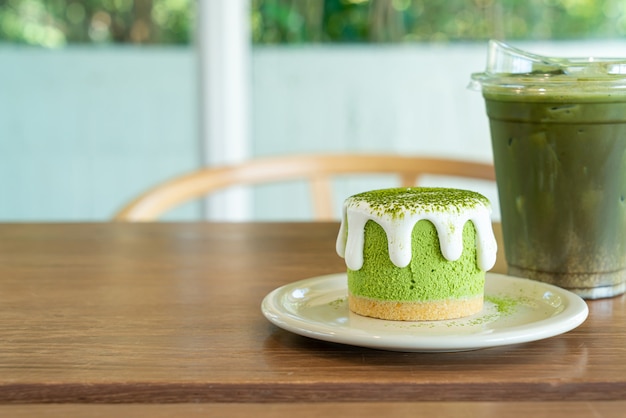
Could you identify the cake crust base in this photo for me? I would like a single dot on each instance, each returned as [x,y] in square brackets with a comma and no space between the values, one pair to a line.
[415,311]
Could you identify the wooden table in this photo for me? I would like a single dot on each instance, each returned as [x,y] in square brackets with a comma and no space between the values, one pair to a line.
[170,313]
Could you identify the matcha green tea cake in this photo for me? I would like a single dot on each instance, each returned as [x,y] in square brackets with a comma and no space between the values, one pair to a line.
[416,253]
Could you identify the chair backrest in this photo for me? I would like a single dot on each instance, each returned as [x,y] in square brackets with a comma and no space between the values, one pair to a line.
[318,170]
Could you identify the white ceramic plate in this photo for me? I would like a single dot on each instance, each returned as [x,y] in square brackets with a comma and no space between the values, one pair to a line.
[515,311]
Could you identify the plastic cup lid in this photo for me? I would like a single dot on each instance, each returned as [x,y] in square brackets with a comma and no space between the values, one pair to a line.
[518,72]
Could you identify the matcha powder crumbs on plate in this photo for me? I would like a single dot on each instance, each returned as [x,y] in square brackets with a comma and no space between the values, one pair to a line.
[505,306]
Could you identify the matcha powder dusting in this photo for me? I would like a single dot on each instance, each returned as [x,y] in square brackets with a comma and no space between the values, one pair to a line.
[397,202]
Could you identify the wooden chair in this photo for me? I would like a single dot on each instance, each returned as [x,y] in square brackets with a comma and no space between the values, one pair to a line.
[319,170]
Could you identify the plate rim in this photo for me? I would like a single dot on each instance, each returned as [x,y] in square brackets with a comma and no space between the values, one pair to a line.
[573,315]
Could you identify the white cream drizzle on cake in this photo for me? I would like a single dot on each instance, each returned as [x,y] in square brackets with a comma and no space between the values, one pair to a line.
[398,218]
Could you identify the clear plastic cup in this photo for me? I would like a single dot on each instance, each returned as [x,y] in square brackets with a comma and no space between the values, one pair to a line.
[558,132]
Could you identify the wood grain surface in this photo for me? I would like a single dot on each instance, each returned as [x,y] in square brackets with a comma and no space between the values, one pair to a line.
[595,409]
[170,313]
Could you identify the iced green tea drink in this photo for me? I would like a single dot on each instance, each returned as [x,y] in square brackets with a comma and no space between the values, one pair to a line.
[558,131]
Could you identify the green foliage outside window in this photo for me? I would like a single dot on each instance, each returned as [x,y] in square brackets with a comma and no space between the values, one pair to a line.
[54,23]
[296,21]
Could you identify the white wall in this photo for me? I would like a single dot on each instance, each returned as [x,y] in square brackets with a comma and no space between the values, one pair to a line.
[82,130]
[404,99]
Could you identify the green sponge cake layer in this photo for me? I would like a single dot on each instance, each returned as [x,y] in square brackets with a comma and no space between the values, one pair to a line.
[428,277]
[416,253]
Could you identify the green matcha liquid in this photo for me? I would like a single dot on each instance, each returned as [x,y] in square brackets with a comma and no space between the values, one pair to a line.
[558,132]
[561,170]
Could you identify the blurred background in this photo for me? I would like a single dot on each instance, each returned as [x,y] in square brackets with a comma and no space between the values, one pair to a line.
[101,99]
